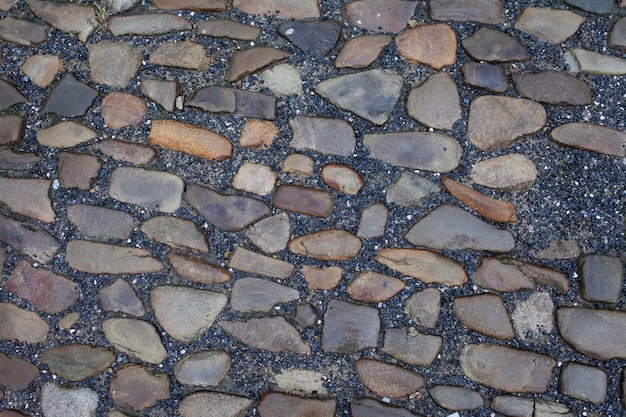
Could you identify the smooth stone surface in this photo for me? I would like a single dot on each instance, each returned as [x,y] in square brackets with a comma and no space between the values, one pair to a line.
[321,278]
[361,51]
[589,62]
[342,178]
[136,338]
[224,28]
[213,404]
[306,316]
[249,61]
[255,263]
[299,165]
[617,35]
[429,267]
[12,128]
[285,9]
[584,327]
[75,362]
[147,24]
[554,26]
[70,97]
[65,134]
[83,22]
[255,178]
[100,222]
[435,102]
[351,93]
[488,77]
[410,190]
[205,369]
[185,313]
[494,46]
[349,328]
[315,38]
[601,278]
[553,87]
[22,32]
[257,105]
[324,135]
[162,92]
[456,398]
[197,269]
[138,388]
[256,294]
[386,380]
[379,16]
[269,333]
[282,80]
[102,258]
[505,275]
[431,45]
[195,5]
[58,401]
[590,137]
[496,210]
[154,190]
[120,150]
[366,407]
[408,345]
[190,139]
[271,234]
[327,245]
[278,404]
[566,249]
[78,170]
[13,161]
[373,221]
[121,297]
[416,150]
[484,313]
[9,95]
[584,382]
[176,232]
[496,121]
[42,69]
[47,291]
[258,134]
[121,109]
[490,12]
[525,407]
[304,200]
[423,307]
[15,373]
[21,325]
[508,172]
[593,6]
[214,98]
[28,239]
[186,54]
[373,287]
[450,227]
[28,197]
[114,63]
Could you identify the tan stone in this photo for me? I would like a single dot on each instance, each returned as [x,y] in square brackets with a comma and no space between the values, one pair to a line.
[258,134]
[197,269]
[484,313]
[251,60]
[255,178]
[301,165]
[429,267]
[321,278]
[505,274]
[120,150]
[554,26]
[65,135]
[21,325]
[225,28]
[386,380]
[186,54]
[176,232]
[121,109]
[304,200]
[138,388]
[342,178]
[28,197]
[42,69]
[102,258]
[327,245]
[190,139]
[82,22]
[508,172]
[136,338]
[591,137]
[432,45]
[213,404]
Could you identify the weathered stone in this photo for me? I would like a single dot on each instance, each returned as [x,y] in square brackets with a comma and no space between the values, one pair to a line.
[408,345]
[185,313]
[186,54]
[12,128]
[75,362]
[57,401]
[450,227]
[584,382]
[113,63]
[554,26]
[282,80]
[435,102]
[456,398]
[121,297]
[304,200]
[584,327]
[386,380]
[505,274]
[617,35]
[372,287]
[176,232]
[190,139]
[315,38]
[28,197]
[197,269]
[553,87]
[147,24]
[101,222]
[359,52]
[121,109]
[67,17]
[70,97]
[136,338]
[42,69]
[299,165]
[249,261]
[324,135]
[507,369]
[379,16]
[590,137]
[15,373]
[46,290]
[269,333]
[258,134]
[256,294]
[7,4]
[271,234]
[22,32]
[593,6]
[349,328]
[431,45]
[138,388]
[117,6]
[102,258]
[215,99]
[285,9]
[78,170]
[351,92]
[327,245]
[306,315]
[278,404]
[213,404]
[28,239]
[154,190]
[205,369]
[588,62]
[257,105]
[301,380]
[9,95]
[424,306]
[162,92]
[497,210]
[496,121]
[429,267]
[485,76]
[245,62]
[225,28]
[366,407]
[566,249]
[14,161]
[490,12]
[255,178]
[21,325]
[196,5]
[494,46]
[508,172]
[130,152]
[342,178]
[484,313]
[373,221]
[410,190]
[321,278]
[601,278]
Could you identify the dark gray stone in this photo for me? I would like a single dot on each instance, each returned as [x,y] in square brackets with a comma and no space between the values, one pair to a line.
[584,382]
[215,99]
[593,6]
[601,278]
[584,328]
[349,328]
[257,105]
[70,97]
[485,76]
[322,134]
[9,95]
[256,294]
[494,46]
[553,87]
[316,38]
[306,315]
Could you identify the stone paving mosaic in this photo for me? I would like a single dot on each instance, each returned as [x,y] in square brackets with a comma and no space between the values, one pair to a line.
[312,208]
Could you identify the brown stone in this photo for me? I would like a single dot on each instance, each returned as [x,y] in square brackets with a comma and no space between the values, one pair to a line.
[213,404]
[12,128]
[75,362]
[22,32]
[9,95]
[379,15]
[386,380]
[224,28]
[42,69]
[28,239]
[121,297]
[78,170]
[258,134]
[372,287]
[197,5]
[327,245]
[321,278]
[100,222]
[269,333]
[28,197]
[409,346]
[46,290]
[121,109]
[342,178]
[286,9]
[130,152]
[82,22]
[554,26]
[21,325]
[600,334]
[432,45]
[15,373]
[508,172]
[299,165]
[456,398]
[492,45]
[190,139]
[497,210]
[186,54]
[249,261]
[176,232]
[251,60]
[114,63]
[490,12]
[101,258]
[484,313]
[553,87]
[429,267]
[255,178]
[197,269]
[278,404]
[14,161]
[65,135]
[138,388]
[505,274]
[359,52]
[590,137]
[304,200]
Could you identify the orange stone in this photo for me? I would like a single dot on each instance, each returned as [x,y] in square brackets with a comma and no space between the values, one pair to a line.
[190,139]
[258,134]
[121,109]
[432,45]
[496,210]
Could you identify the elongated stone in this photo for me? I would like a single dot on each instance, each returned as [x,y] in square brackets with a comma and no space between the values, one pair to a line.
[126,151]
[28,197]
[28,239]
[256,105]
[22,32]
[102,258]
[366,407]
[136,338]
[590,137]
[21,325]
[251,60]
[224,28]
[286,9]
[278,404]
[147,24]
[429,267]
[213,404]
[176,232]
[505,274]
[101,222]
[494,46]
[249,261]
[256,294]
[304,200]
[196,5]
[214,98]
[589,62]
[553,87]
[372,287]
[456,398]
[490,12]
[269,333]
[497,210]
[65,135]
[386,380]
[197,269]
[190,139]
[379,16]
[327,245]
[508,172]
[75,362]
[186,54]
[155,190]
[322,134]
[584,327]
[82,22]
[14,161]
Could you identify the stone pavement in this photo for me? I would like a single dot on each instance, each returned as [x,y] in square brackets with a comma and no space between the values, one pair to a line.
[312,208]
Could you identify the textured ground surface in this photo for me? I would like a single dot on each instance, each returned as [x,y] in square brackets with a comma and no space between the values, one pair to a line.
[282,208]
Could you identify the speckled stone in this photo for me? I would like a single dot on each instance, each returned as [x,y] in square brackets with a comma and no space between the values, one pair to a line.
[113,63]
[505,275]
[190,139]
[78,170]
[28,197]
[147,24]
[101,258]
[121,109]
[126,151]
[58,401]
[195,5]
[224,28]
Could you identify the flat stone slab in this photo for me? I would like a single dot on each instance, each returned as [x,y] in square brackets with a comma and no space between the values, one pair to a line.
[601,278]
[520,406]
[147,24]
[553,87]
[304,200]
[249,61]
[416,150]
[213,404]
[435,102]
[484,313]
[136,338]
[352,93]
[69,97]
[285,9]
[22,32]
[507,369]
[278,404]
[121,109]
[154,190]
[42,69]
[373,287]
[533,318]
[593,6]
[505,275]
[424,306]
[83,22]
[379,16]
[322,134]
[349,328]
[450,227]
[269,333]
[590,137]
[204,369]
[271,234]
[488,77]
[28,197]
[431,45]
[9,95]
[101,258]
[65,135]
[186,54]
[373,221]
[408,345]
[617,35]
[496,210]
[256,294]
[114,63]
[490,12]
[28,239]
[366,407]
[12,128]
[138,388]
[256,105]
[327,245]
[121,150]
[17,374]
[321,278]
[185,313]
[225,28]
[589,62]
[554,26]
[195,5]
[190,139]
[255,178]
[100,222]
[492,45]
[197,269]
[21,325]
[249,261]
[386,380]
[58,401]
[456,398]
[315,38]
[162,92]
[584,382]
[508,172]
[429,267]
[121,297]
[176,232]
[584,327]
[75,362]
[359,52]
[14,161]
